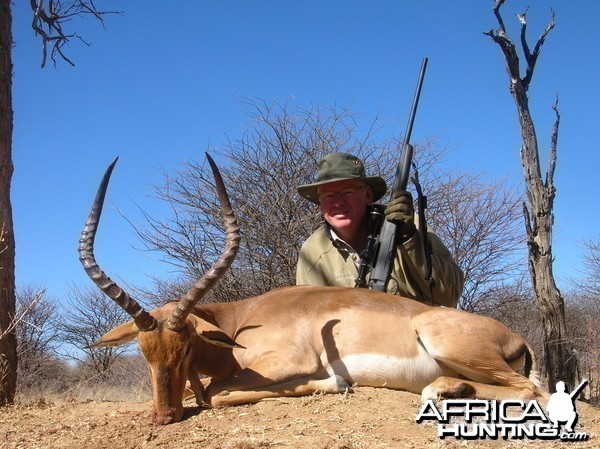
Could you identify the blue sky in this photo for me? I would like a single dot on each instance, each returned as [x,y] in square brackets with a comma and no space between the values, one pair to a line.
[164,81]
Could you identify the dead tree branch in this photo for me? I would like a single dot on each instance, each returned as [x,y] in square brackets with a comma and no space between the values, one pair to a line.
[49,18]
[508,48]
[553,144]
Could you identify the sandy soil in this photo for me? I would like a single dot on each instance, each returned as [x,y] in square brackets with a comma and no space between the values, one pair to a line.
[366,418]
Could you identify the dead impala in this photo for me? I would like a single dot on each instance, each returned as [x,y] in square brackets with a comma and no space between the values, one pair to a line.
[299,340]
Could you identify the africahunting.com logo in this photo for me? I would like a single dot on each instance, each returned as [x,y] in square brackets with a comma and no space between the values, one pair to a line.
[472,419]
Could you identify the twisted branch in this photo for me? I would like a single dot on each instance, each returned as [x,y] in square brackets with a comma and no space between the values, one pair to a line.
[48,20]
[508,48]
[553,145]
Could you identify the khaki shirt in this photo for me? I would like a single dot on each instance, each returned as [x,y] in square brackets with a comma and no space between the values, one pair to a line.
[329,261]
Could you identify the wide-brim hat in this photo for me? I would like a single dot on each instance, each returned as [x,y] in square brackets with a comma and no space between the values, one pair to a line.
[341,167]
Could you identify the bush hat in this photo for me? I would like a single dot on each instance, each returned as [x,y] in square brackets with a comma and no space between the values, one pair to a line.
[340,167]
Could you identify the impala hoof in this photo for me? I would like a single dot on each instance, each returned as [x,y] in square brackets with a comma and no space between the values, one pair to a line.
[341,384]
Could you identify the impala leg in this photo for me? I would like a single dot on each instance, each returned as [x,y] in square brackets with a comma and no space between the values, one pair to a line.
[454,388]
[196,388]
[486,376]
[487,364]
[302,386]
[273,377]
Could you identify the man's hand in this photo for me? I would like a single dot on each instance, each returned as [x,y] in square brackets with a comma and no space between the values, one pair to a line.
[401,212]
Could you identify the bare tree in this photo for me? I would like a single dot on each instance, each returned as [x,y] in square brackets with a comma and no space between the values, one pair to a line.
[516,308]
[477,220]
[480,222]
[8,342]
[583,317]
[582,314]
[280,151]
[589,285]
[48,20]
[89,314]
[539,217]
[37,339]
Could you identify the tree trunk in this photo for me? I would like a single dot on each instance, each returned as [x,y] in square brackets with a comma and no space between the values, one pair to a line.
[8,345]
[559,363]
[539,223]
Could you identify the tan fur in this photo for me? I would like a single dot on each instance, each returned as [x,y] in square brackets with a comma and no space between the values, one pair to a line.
[298,340]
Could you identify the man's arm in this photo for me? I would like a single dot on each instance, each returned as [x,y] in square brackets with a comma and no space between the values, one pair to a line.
[409,268]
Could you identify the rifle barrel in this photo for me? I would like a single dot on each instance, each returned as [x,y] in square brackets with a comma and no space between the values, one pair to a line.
[413,109]
[403,169]
[386,248]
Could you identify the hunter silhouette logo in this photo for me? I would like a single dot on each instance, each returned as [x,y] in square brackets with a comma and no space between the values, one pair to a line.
[561,406]
[480,419]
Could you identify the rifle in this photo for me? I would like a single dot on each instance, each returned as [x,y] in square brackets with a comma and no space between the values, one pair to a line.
[380,250]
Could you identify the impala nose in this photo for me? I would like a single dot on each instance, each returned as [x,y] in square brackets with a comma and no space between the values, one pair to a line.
[169,417]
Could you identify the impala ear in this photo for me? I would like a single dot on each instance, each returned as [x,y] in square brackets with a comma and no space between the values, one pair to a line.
[212,334]
[117,336]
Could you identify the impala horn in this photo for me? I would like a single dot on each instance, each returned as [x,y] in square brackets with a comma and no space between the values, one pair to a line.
[232,242]
[143,320]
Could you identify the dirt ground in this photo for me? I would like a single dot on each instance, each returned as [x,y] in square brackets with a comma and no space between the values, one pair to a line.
[366,418]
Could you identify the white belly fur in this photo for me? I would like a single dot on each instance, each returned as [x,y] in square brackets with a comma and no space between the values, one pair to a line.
[379,370]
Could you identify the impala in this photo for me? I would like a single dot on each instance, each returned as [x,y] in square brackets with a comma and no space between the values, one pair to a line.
[299,340]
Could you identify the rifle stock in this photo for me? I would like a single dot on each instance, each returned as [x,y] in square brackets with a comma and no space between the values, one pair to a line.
[385,249]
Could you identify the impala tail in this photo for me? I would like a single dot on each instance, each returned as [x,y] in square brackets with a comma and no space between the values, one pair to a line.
[530,368]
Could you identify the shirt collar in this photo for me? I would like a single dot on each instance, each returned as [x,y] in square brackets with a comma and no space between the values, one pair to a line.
[342,245]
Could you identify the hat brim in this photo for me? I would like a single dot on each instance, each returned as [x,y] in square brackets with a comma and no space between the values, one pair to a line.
[310,191]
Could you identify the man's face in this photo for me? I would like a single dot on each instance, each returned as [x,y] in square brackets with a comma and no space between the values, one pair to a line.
[344,204]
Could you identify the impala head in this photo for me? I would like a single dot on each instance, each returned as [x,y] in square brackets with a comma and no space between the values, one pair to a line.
[168,336]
